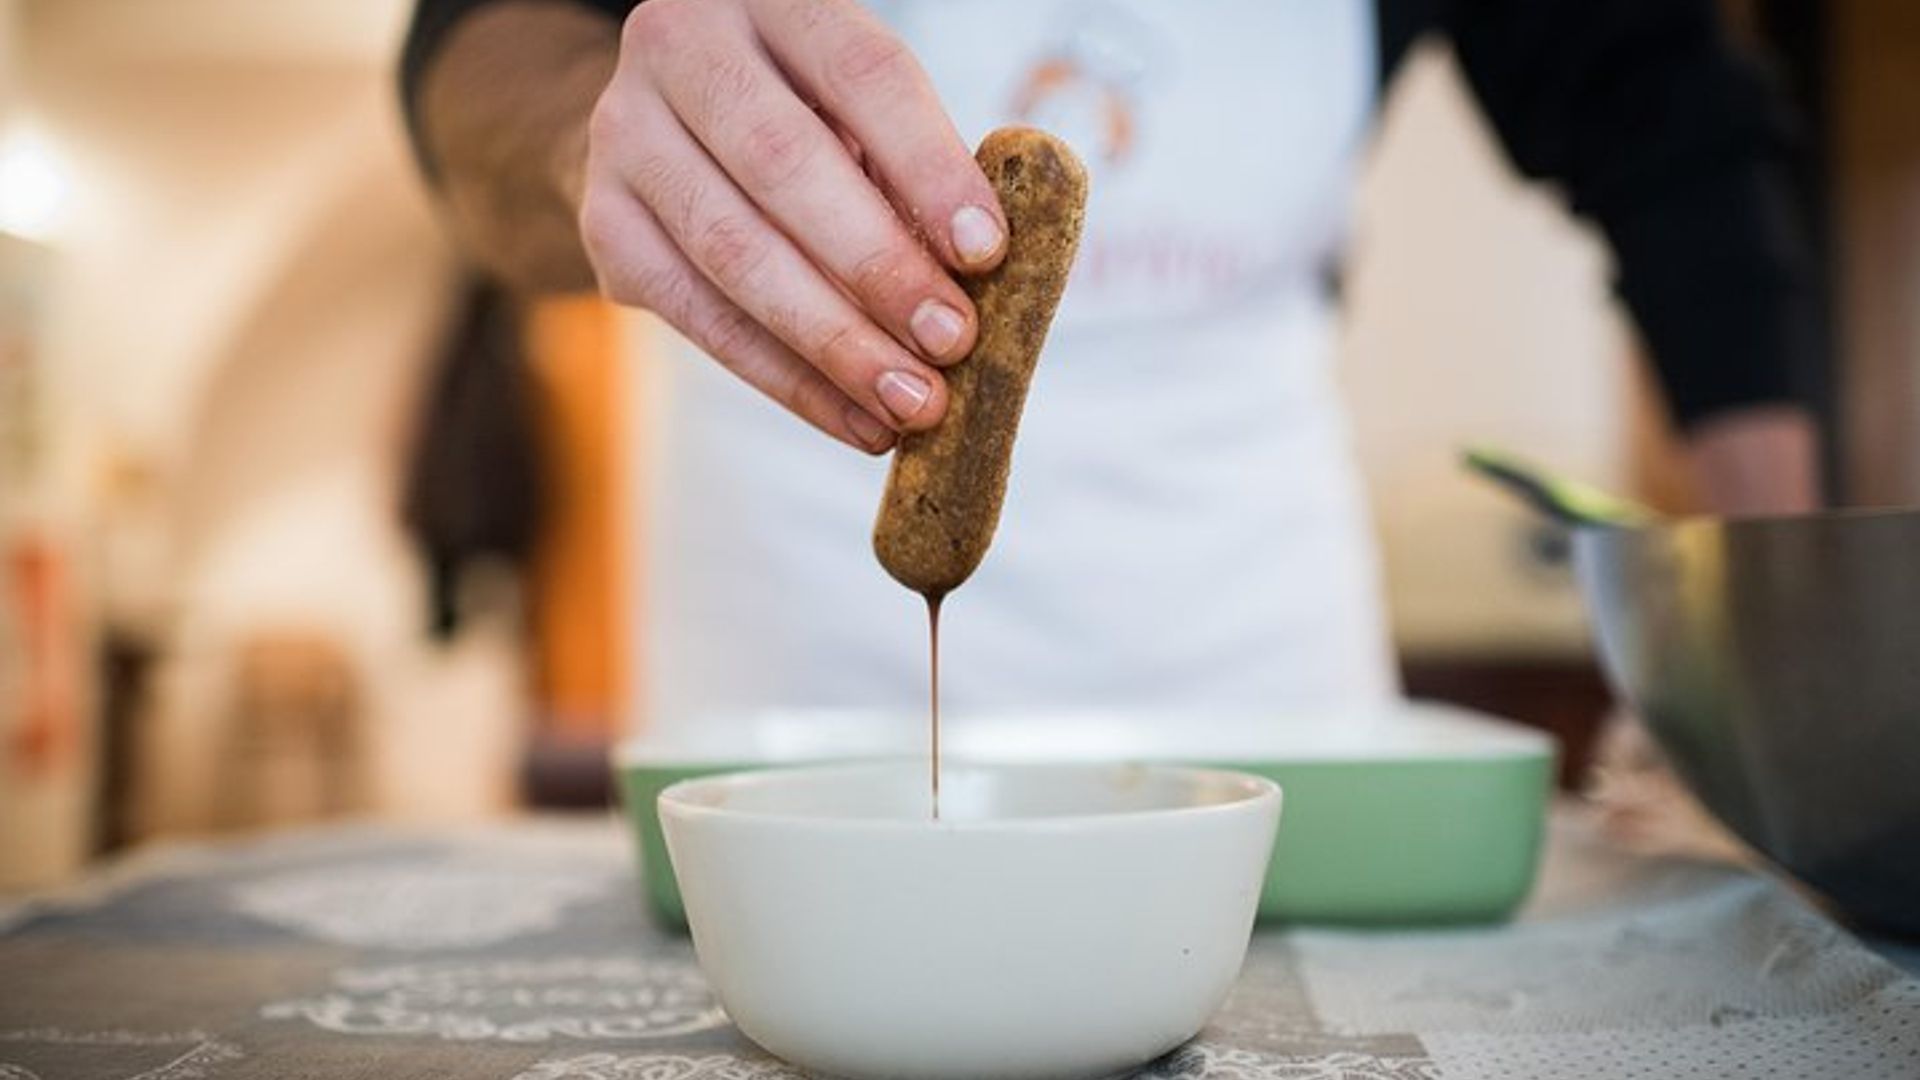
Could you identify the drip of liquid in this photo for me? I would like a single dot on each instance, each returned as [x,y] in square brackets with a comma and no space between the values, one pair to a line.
[933,685]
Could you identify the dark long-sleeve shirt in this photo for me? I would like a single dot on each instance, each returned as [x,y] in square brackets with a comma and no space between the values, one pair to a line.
[1659,131]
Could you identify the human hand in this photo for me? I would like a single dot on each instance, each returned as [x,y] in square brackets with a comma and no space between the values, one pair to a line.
[777,180]
[1763,460]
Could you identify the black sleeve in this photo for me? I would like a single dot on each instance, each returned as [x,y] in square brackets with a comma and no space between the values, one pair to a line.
[1676,146]
[433,21]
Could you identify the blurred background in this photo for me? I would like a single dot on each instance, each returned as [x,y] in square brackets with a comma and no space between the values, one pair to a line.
[299,521]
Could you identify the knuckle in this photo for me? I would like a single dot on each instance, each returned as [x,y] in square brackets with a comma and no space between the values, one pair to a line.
[668,190]
[730,248]
[655,174]
[597,224]
[608,121]
[779,383]
[635,278]
[655,27]
[888,274]
[869,62]
[724,83]
[783,320]
[662,289]
[620,280]
[730,333]
[774,151]
[804,395]
[813,14]
[610,283]
[837,348]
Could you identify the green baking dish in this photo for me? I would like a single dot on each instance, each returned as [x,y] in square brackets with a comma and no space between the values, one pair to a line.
[1414,815]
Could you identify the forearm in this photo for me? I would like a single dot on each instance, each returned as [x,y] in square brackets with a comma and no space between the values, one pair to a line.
[1673,141]
[503,117]
[1762,460]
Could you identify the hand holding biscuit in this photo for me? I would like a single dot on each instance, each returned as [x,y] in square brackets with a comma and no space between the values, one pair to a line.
[743,170]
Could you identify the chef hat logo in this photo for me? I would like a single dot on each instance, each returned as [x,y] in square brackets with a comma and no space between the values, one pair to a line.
[1088,81]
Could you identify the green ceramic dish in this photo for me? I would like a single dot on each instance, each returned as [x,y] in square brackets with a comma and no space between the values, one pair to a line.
[1422,815]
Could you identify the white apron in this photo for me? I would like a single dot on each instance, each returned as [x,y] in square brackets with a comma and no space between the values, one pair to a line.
[1185,526]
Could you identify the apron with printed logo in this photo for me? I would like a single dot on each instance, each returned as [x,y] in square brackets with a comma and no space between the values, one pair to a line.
[1184,526]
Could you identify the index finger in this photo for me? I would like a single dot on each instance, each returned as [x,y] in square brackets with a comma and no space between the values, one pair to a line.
[731,97]
[866,79]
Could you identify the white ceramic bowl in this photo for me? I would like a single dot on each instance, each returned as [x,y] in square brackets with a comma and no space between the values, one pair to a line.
[1057,921]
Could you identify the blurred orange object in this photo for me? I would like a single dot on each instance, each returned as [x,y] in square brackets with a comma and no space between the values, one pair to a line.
[46,730]
[579,580]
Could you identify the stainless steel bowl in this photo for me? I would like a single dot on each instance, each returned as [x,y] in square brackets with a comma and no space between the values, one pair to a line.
[1777,662]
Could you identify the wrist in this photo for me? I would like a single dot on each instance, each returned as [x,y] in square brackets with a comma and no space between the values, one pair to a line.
[1757,461]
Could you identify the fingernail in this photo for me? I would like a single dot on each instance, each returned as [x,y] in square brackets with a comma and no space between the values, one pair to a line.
[976,235]
[872,433]
[938,328]
[903,393]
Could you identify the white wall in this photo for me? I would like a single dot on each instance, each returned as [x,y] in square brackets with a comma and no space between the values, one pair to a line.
[248,296]
[9,55]
[44,795]
[1478,311]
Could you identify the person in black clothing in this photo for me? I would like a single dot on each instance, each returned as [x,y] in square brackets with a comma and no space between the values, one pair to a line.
[784,182]
[1658,130]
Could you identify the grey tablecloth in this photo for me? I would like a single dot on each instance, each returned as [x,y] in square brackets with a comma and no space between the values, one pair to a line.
[521,953]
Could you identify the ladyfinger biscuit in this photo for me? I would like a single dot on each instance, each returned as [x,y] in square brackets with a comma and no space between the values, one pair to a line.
[946,485]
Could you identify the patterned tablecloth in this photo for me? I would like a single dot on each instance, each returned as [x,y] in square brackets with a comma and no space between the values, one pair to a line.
[521,953]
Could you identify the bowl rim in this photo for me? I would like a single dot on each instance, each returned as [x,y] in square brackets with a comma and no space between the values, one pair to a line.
[1257,794]
[1400,731]
[1751,522]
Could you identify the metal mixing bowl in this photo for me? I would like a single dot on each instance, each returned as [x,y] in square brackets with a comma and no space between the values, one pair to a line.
[1777,662]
